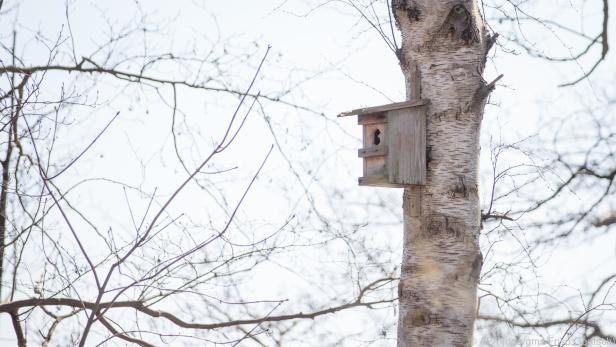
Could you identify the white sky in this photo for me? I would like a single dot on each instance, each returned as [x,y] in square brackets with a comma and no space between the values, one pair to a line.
[329,40]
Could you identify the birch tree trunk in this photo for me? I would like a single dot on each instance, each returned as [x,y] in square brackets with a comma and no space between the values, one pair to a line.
[447,43]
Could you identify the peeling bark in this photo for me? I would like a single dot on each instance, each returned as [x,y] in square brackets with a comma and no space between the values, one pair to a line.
[448,43]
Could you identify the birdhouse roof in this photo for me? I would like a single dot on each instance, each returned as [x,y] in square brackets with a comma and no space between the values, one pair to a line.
[384,108]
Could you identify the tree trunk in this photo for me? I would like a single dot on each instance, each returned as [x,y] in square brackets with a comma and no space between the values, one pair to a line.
[447,43]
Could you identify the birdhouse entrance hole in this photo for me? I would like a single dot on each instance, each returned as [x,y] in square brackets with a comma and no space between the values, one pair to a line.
[377,139]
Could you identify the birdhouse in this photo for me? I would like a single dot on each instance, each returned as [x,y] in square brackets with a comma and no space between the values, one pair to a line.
[394,144]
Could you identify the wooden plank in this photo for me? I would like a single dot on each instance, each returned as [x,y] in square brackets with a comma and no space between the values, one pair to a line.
[374,166]
[372,151]
[373,118]
[377,181]
[414,201]
[385,108]
[415,82]
[406,157]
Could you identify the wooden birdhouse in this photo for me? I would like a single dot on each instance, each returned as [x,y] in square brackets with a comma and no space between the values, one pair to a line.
[394,144]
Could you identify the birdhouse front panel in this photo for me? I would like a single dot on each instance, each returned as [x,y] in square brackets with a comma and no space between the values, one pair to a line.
[374,148]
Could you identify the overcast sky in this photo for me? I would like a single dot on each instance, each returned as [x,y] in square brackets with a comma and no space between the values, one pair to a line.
[346,65]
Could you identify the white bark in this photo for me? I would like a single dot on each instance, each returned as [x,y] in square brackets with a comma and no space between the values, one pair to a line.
[442,261]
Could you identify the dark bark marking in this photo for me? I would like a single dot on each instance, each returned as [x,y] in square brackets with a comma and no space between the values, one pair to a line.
[460,189]
[401,59]
[458,26]
[437,227]
[441,224]
[408,294]
[407,269]
[476,267]
[413,12]
[450,113]
[415,82]
[421,317]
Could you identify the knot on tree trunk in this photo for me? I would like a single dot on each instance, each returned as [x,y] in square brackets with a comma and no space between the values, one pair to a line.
[459,26]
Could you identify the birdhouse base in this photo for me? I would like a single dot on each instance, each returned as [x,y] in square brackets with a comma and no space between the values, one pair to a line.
[379,181]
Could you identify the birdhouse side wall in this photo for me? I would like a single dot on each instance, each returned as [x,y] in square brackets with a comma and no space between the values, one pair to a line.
[406,158]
